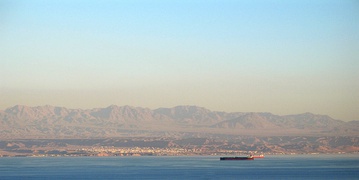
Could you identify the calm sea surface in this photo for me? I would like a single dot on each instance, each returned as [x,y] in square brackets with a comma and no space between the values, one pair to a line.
[198,167]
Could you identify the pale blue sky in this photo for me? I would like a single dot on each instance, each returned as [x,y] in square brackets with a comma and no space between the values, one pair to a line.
[275,56]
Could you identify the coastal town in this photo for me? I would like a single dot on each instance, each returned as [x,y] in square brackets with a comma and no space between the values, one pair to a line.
[142,146]
[137,151]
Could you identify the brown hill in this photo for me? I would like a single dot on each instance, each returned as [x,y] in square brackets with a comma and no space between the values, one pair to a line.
[114,121]
[270,121]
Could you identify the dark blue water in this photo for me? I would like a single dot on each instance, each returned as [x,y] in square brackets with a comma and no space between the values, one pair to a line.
[271,167]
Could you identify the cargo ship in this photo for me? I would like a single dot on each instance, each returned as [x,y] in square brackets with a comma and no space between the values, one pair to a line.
[237,158]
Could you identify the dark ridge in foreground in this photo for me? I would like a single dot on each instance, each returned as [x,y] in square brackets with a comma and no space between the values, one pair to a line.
[160,146]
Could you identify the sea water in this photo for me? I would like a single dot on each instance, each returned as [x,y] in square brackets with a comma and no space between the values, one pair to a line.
[189,167]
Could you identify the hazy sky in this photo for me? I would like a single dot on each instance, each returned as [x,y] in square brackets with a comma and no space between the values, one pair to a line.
[284,57]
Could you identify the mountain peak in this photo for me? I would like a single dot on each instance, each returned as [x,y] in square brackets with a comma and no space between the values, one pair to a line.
[112,106]
[113,119]
[16,108]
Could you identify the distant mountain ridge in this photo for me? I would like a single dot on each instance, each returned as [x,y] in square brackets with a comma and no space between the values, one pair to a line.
[115,121]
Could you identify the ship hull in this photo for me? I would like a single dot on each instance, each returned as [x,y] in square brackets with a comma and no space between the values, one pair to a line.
[235,158]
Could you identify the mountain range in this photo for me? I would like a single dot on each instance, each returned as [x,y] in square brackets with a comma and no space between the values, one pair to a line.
[119,121]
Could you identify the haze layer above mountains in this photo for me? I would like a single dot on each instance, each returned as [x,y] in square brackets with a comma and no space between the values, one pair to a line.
[114,121]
